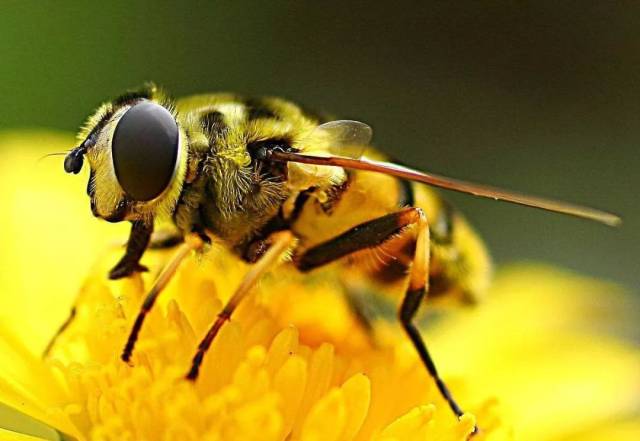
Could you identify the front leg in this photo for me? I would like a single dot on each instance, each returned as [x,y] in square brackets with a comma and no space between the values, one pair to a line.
[136,246]
[190,244]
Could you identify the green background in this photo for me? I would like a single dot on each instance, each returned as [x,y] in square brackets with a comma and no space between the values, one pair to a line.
[534,96]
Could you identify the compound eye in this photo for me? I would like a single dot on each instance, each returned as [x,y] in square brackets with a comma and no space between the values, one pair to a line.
[145,150]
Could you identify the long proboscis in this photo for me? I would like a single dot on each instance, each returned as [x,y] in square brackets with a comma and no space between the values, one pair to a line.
[480,190]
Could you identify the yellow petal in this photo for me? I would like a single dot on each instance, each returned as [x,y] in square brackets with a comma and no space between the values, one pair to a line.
[617,430]
[8,435]
[326,419]
[555,371]
[357,396]
[290,382]
[411,426]
[50,238]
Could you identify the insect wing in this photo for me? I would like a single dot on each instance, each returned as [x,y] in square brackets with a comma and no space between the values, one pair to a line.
[345,137]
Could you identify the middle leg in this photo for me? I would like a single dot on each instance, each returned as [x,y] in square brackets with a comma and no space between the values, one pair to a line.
[280,244]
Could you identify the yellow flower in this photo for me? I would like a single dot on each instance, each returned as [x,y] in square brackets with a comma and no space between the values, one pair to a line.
[293,363]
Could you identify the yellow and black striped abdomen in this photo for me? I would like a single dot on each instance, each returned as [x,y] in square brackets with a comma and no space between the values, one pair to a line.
[460,263]
[460,266]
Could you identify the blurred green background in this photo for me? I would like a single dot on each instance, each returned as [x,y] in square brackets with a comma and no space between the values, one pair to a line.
[536,96]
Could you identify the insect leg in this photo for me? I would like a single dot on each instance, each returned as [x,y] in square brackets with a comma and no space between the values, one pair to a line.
[374,233]
[63,327]
[418,287]
[366,235]
[280,244]
[410,304]
[165,276]
[136,246]
[165,239]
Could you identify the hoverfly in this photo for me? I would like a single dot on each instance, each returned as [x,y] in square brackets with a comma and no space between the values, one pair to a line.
[265,178]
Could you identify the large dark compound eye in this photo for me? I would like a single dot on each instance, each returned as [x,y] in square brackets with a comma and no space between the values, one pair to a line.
[145,150]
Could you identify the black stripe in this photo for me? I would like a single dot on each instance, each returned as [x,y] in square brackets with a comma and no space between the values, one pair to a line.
[213,122]
[209,200]
[188,186]
[397,269]
[319,117]
[392,271]
[442,227]
[439,284]
[298,205]
[258,108]
[406,198]
[334,194]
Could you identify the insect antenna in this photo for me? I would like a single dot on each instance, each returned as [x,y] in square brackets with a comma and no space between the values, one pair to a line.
[48,155]
[450,184]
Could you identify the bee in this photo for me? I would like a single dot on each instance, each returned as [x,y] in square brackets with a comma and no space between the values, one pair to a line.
[266,178]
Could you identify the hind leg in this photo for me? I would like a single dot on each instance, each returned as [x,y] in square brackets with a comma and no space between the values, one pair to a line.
[372,234]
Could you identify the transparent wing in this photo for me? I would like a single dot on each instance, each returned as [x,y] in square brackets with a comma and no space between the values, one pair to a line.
[347,132]
[344,137]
